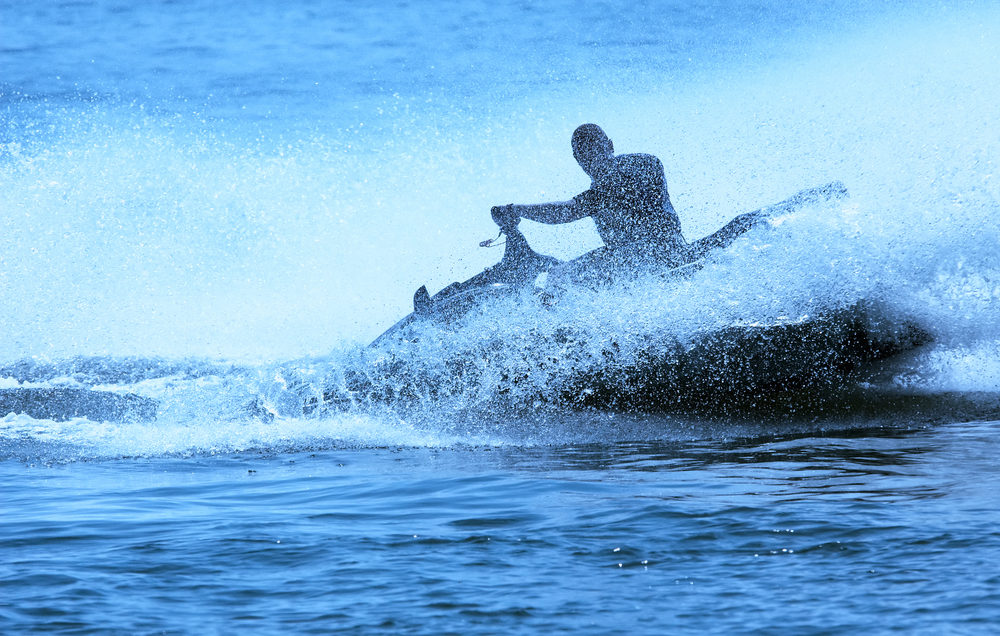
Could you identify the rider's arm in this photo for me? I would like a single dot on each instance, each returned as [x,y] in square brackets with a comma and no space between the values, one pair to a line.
[556,212]
[575,209]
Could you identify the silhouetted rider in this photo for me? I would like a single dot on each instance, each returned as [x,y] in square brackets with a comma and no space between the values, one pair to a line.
[627,199]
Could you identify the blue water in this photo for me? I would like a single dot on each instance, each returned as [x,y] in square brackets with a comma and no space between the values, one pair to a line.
[217,206]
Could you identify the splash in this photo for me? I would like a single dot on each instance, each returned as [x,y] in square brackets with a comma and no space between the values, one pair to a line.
[131,230]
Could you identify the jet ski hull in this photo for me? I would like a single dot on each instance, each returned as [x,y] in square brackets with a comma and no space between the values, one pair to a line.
[751,367]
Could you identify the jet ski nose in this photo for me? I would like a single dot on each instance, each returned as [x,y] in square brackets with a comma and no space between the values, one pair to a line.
[421,301]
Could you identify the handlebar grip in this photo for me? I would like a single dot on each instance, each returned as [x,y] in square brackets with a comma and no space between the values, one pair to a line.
[504,217]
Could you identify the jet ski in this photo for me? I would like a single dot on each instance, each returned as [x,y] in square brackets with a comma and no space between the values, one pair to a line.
[735,368]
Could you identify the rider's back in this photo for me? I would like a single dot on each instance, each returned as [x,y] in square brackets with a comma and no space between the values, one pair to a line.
[631,207]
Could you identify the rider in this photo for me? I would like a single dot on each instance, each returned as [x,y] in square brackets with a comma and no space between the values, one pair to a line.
[627,199]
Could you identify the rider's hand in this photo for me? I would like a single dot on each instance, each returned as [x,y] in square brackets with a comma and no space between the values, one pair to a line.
[504,216]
